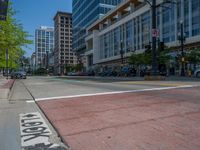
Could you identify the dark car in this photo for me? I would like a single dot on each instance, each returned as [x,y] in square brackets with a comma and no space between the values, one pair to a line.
[197,73]
[18,75]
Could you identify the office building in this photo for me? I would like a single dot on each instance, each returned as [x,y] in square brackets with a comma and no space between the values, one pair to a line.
[127,28]
[63,54]
[44,42]
[86,12]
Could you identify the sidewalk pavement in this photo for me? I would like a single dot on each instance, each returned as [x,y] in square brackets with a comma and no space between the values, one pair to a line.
[5,87]
[22,124]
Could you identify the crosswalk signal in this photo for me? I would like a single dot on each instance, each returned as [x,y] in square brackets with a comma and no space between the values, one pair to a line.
[3,9]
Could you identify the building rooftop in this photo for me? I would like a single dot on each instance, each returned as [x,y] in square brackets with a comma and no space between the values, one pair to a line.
[113,14]
[62,13]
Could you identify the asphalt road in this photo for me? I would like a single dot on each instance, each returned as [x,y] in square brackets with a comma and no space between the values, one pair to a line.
[50,87]
[94,109]
[107,114]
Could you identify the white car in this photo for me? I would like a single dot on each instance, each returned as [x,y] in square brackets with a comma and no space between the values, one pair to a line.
[197,73]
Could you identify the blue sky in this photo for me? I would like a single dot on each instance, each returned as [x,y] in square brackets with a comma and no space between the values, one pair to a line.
[35,13]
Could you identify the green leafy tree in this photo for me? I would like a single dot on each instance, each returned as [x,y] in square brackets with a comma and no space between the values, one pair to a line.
[13,38]
[145,59]
[193,57]
[164,57]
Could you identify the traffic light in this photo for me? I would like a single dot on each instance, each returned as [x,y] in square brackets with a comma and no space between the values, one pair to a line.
[3,9]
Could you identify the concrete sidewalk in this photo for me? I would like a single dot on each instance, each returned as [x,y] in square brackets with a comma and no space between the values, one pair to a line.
[5,87]
[22,124]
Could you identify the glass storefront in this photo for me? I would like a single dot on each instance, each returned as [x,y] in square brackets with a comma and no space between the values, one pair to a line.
[135,34]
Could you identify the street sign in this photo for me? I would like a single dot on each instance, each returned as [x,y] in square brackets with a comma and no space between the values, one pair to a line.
[3,9]
[155,32]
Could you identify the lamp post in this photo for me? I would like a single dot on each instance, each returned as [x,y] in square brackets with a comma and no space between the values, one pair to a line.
[121,52]
[7,57]
[182,40]
[47,61]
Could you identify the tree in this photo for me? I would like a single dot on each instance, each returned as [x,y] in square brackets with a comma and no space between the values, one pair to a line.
[193,57]
[145,59]
[138,60]
[13,38]
[164,57]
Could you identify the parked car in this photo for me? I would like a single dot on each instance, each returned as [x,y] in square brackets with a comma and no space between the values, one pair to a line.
[197,73]
[18,75]
[128,72]
[90,73]
[72,73]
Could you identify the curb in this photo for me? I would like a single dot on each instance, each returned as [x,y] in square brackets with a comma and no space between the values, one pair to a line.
[154,78]
[5,90]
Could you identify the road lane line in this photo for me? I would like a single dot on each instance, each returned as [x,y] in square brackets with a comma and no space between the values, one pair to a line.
[151,83]
[31,101]
[116,92]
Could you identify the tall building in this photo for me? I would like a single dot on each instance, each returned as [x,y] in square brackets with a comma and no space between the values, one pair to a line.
[44,42]
[127,29]
[63,54]
[85,12]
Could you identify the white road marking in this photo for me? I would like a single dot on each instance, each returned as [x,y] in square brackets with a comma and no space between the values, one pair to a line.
[31,101]
[116,92]
[33,129]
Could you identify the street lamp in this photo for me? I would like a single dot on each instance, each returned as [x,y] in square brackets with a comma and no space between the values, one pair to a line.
[121,52]
[47,61]
[181,38]
[7,57]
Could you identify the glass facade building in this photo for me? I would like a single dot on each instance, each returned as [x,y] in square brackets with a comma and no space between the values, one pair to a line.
[133,31]
[86,12]
[44,42]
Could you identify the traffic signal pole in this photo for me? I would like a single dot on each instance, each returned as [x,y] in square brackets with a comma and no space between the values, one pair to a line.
[154,28]
[182,38]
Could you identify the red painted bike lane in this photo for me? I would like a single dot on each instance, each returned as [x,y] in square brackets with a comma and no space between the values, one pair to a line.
[156,120]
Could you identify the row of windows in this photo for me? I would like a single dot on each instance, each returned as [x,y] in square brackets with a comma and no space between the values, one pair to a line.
[44,33]
[66,62]
[85,7]
[135,34]
[85,12]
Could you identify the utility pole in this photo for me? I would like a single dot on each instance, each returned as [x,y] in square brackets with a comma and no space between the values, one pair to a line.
[154,36]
